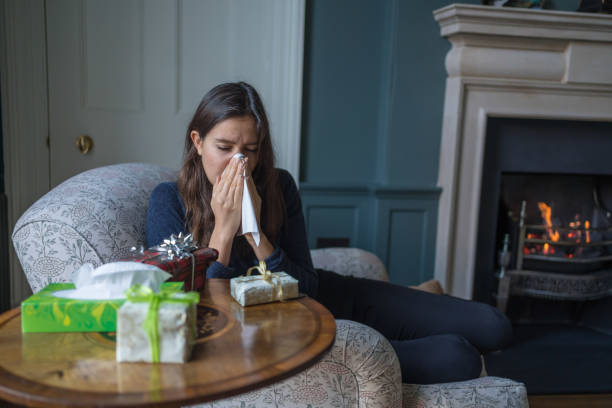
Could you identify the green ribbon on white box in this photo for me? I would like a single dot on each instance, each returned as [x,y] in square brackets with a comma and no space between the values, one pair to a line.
[138,293]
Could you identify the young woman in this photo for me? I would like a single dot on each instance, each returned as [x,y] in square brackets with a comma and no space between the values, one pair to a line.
[437,338]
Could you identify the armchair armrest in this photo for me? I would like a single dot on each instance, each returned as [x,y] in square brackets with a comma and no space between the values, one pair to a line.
[350,262]
[95,217]
[361,369]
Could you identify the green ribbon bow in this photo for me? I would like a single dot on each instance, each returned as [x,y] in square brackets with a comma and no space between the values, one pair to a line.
[138,293]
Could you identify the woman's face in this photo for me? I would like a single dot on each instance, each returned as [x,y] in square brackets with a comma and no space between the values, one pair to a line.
[222,142]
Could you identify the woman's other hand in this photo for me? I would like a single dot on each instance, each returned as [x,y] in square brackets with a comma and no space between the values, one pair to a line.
[226,204]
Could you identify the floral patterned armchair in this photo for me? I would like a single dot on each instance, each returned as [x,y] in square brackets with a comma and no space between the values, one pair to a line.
[98,215]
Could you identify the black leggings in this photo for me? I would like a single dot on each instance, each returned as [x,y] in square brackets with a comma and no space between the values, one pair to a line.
[437,338]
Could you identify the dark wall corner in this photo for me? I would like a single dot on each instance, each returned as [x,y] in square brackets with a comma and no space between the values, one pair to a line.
[5,292]
[305,90]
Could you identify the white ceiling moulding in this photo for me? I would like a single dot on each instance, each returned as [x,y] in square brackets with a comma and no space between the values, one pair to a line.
[508,62]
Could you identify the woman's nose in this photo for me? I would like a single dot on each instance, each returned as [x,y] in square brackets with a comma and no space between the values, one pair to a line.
[240,153]
[234,153]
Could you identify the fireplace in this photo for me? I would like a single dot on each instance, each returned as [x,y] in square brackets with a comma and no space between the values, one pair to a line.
[521,65]
[528,118]
[545,224]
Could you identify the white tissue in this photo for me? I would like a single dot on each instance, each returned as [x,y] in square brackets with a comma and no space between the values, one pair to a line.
[249,221]
[111,280]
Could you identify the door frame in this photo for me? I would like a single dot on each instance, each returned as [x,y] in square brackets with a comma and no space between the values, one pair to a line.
[25,117]
[25,114]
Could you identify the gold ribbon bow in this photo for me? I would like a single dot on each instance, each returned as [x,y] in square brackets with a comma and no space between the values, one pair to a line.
[268,277]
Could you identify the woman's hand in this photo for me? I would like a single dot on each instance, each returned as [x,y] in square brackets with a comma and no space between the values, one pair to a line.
[265,248]
[226,204]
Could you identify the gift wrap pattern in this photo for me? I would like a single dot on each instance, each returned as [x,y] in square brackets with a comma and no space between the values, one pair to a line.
[176,325]
[44,312]
[253,290]
[181,268]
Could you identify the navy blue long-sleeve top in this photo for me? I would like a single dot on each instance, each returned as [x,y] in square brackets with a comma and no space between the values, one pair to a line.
[166,216]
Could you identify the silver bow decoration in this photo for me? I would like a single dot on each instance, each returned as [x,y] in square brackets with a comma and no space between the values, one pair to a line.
[177,246]
[180,246]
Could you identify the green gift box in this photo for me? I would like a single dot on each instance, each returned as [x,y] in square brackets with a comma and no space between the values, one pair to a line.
[44,312]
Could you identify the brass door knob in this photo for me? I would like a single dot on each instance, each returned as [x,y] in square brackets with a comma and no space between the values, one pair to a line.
[84,143]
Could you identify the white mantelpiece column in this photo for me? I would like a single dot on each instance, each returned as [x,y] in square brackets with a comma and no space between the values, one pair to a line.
[508,62]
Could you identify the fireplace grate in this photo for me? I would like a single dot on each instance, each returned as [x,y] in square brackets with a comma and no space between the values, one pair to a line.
[579,270]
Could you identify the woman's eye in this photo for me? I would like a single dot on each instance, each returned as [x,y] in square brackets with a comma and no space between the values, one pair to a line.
[224,148]
[252,150]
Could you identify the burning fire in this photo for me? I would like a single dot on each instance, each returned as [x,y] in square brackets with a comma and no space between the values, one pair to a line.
[580,233]
[553,235]
[587,225]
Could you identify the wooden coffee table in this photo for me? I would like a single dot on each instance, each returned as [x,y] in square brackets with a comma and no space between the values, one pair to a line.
[239,349]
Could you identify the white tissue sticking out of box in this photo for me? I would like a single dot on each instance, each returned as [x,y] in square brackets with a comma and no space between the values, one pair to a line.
[111,280]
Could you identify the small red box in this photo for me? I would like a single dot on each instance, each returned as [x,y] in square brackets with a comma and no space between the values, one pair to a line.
[180,268]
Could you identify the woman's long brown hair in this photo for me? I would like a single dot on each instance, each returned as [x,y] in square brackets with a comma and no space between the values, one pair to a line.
[220,103]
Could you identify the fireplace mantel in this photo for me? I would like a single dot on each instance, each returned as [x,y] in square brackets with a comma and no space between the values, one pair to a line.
[508,62]
[521,22]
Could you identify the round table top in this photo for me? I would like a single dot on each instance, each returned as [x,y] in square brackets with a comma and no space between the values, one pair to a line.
[238,349]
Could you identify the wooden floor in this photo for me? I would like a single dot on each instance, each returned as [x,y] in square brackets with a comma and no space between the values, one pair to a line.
[571,400]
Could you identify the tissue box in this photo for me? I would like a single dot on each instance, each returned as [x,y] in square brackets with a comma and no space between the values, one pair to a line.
[176,326]
[181,269]
[253,290]
[44,312]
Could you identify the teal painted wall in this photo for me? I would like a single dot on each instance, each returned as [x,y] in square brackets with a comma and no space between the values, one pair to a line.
[374,82]
[345,65]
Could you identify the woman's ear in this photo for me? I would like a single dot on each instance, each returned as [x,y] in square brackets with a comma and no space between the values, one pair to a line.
[197,141]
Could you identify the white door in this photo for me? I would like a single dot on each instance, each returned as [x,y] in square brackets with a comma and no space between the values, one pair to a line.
[129,74]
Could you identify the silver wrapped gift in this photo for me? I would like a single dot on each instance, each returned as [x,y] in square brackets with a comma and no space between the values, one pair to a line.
[176,328]
[256,289]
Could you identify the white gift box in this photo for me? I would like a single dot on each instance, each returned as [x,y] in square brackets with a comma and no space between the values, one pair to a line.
[253,290]
[176,328]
